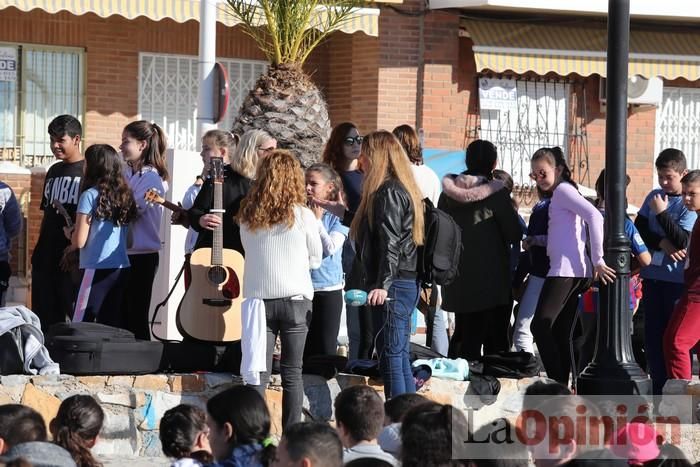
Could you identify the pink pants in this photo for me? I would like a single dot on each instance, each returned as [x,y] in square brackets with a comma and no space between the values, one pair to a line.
[681,336]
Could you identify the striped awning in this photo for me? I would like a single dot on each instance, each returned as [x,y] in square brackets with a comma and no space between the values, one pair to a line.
[580,48]
[364,19]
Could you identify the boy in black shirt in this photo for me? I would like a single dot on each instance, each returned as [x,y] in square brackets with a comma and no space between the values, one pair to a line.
[54,288]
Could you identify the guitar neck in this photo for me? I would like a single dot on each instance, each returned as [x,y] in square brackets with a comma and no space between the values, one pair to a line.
[171,206]
[218,236]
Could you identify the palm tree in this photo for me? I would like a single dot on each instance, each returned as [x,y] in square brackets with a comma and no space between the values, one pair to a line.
[285,102]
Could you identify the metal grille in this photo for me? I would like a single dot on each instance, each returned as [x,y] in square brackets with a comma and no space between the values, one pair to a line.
[549,113]
[678,123]
[541,119]
[168,87]
[50,82]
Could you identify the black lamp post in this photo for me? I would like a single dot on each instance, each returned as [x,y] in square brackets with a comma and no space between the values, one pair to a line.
[613,369]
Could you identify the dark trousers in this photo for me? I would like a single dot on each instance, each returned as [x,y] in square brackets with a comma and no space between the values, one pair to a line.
[290,320]
[5,273]
[488,328]
[99,297]
[137,296]
[322,338]
[660,298]
[393,324]
[53,295]
[551,326]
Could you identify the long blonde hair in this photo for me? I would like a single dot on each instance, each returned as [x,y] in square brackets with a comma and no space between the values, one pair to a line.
[278,189]
[245,158]
[387,160]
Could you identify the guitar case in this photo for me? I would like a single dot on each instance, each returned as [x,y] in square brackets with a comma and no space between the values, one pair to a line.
[97,349]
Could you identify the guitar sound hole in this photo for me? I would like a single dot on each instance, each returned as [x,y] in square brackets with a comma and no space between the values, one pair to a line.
[217,275]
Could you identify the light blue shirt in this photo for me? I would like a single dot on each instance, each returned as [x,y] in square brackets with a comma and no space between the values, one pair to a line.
[106,244]
[331,271]
[667,270]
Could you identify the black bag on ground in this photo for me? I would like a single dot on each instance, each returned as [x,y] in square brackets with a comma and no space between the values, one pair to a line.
[510,365]
[12,352]
[97,349]
[438,258]
[421,352]
[188,357]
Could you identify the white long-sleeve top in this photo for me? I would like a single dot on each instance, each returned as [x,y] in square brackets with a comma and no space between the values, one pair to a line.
[278,260]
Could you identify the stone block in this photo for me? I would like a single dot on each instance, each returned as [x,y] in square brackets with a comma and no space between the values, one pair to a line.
[127,381]
[345,380]
[121,447]
[14,380]
[126,399]
[41,401]
[273,397]
[187,383]
[158,402]
[150,444]
[151,382]
[693,389]
[11,394]
[217,380]
[93,381]
[676,387]
[52,380]
[118,423]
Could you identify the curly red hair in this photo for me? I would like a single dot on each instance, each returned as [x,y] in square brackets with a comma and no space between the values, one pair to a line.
[279,187]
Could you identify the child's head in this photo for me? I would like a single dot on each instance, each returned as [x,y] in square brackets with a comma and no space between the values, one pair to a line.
[600,187]
[183,431]
[323,182]
[103,171]
[549,167]
[218,143]
[397,407]
[144,143]
[254,145]
[671,166]
[359,414]
[309,444]
[343,146]
[237,416]
[408,138]
[19,424]
[505,177]
[65,133]
[278,188]
[76,426]
[427,432]
[481,158]
[691,190]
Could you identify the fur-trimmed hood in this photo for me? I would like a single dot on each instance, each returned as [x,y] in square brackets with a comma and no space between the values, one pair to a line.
[465,188]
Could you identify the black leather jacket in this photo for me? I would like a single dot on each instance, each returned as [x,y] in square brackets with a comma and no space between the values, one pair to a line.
[386,249]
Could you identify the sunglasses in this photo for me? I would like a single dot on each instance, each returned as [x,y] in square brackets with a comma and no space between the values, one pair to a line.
[265,150]
[349,141]
[540,174]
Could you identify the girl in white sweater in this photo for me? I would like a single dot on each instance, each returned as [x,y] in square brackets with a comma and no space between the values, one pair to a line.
[282,243]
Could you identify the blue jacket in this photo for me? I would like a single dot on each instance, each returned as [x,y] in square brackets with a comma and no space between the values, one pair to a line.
[247,455]
[10,219]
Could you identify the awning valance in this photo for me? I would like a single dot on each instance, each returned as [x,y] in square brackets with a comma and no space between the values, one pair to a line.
[580,48]
[364,19]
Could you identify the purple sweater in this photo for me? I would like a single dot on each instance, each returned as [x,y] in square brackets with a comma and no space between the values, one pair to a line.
[566,240]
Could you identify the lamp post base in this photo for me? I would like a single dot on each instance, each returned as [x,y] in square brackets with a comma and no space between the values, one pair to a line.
[614,379]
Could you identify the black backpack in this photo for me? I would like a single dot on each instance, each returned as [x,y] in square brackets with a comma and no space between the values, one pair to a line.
[510,365]
[438,258]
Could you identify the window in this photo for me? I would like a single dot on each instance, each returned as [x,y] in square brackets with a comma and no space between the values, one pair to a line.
[678,123]
[539,117]
[168,87]
[36,85]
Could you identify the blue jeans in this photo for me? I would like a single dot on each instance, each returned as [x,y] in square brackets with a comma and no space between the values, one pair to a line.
[659,299]
[393,321]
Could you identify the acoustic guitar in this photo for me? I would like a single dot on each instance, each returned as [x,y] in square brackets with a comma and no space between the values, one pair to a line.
[210,310]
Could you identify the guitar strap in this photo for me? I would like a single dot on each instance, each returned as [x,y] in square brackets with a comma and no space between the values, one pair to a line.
[162,304]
